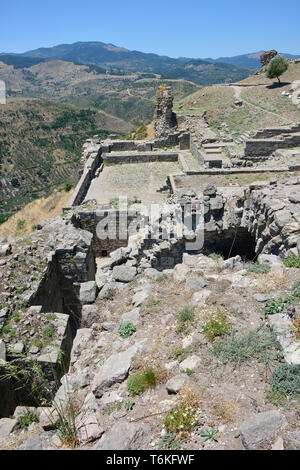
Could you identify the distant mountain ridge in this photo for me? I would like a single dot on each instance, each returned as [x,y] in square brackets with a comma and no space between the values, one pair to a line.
[115,59]
[251,60]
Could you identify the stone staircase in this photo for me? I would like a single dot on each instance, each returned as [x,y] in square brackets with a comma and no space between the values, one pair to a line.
[242,138]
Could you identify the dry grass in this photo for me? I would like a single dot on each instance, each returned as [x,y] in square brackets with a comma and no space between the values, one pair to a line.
[271,281]
[189,398]
[24,221]
[263,106]
[224,410]
[150,130]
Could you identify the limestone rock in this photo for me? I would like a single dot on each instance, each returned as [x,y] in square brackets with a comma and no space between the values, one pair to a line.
[133,316]
[114,370]
[175,384]
[88,427]
[199,298]
[7,425]
[2,350]
[123,436]
[190,363]
[180,272]
[261,426]
[88,292]
[124,273]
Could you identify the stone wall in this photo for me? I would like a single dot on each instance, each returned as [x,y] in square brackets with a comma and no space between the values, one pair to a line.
[265,147]
[165,119]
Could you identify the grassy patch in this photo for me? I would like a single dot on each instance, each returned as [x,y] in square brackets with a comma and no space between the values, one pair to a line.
[27,418]
[185,317]
[286,380]
[258,268]
[259,344]
[127,329]
[138,382]
[292,262]
[217,325]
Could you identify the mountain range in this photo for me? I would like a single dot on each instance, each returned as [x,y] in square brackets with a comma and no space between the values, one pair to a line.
[109,55]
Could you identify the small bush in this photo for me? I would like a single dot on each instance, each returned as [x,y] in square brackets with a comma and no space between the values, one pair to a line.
[277,304]
[27,418]
[185,316]
[286,379]
[138,382]
[259,268]
[218,325]
[292,261]
[296,289]
[127,329]
[67,185]
[260,345]
[180,420]
[169,442]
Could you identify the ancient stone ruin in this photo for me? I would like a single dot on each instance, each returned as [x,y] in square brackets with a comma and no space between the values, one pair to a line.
[165,119]
[266,57]
[211,247]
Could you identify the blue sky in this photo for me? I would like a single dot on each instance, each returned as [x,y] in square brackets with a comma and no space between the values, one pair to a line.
[178,28]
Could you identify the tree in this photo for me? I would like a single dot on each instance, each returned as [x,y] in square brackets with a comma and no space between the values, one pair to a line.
[276,67]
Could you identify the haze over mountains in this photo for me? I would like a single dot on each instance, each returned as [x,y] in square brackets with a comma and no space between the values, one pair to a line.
[109,55]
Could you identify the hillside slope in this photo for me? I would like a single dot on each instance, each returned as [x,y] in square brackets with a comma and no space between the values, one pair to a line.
[129,97]
[40,146]
[263,105]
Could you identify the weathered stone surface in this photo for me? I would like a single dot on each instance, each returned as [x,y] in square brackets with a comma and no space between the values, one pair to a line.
[34,442]
[88,292]
[175,384]
[261,426]
[180,272]
[165,119]
[2,350]
[282,326]
[190,363]
[110,289]
[195,282]
[140,297]
[124,273]
[232,263]
[114,370]
[133,316]
[123,436]
[89,315]
[199,298]
[5,249]
[7,426]
[48,417]
[267,56]
[209,190]
[88,427]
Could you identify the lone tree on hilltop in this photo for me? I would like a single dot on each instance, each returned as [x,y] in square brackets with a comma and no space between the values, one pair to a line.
[277,66]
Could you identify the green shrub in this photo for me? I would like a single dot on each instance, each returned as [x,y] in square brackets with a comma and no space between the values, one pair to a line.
[296,289]
[218,325]
[67,185]
[27,418]
[258,268]
[180,420]
[185,316]
[292,261]
[286,379]
[277,304]
[276,67]
[127,329]
[260,344]
[139,381]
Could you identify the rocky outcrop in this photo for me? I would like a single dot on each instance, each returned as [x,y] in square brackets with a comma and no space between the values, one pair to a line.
[266,57]
[165,119]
